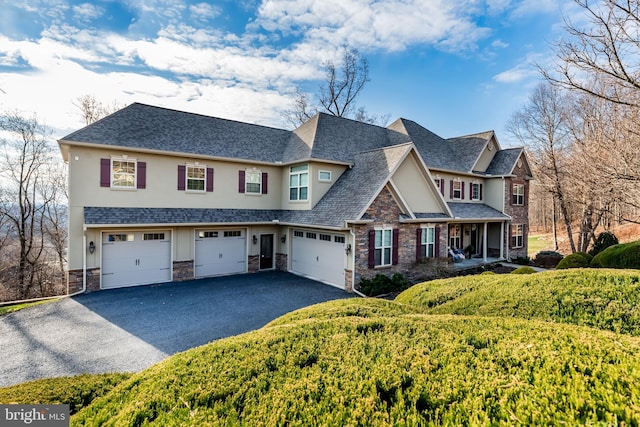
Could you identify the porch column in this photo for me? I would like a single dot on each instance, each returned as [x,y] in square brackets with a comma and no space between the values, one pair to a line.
[502,241]
[484,243]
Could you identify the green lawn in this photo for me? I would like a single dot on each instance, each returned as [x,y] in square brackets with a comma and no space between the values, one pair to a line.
[6,309]
[539,242]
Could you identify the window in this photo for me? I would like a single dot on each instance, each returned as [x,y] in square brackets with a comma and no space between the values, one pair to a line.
[383,247]
[454,236]
[338,239]
[195,178]
[123,173]
[517,235]
[518,194]
[153,236]
[311,235]
[120,237]
[428,244]
[476,191]
[253,182]
[234,233]
[324,176]
[325,237]
[299,182]
[207,234]
[297,233]
[457,190]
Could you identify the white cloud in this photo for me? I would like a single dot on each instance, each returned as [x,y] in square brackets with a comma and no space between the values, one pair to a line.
[87,11]
[533,7]
[204,11]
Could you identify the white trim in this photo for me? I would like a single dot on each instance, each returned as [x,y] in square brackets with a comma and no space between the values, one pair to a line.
[320,179]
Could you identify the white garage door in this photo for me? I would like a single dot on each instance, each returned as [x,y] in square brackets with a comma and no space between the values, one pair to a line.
[131,258]
[319,255]
[220,252]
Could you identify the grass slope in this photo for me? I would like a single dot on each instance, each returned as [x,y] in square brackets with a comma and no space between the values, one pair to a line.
[604,299]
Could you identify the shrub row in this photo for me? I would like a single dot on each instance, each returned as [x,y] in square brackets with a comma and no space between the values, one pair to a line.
[400,370]
[600,298]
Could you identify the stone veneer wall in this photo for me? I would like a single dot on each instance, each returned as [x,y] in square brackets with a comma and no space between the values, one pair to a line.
[183,270]
[281,262]
[74,278]
[254,263]
[520,214]
[385,211]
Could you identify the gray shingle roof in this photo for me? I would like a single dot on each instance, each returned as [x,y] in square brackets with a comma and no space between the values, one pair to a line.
[504,161]
[468,149]
[131,216]
[155,128]
[475,211]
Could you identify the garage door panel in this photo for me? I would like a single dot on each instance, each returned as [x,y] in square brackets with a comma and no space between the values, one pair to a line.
[129,260]
[220,252]
[319,255]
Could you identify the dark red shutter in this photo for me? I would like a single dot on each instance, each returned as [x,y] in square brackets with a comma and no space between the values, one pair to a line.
[462,193]
[418,243]
[265,182]
[451,189]
[105,172]
[442,186]
[241,181]
[142,175]
[437,237]
[372,248]
[394,250]
[182,177]
[209,179]
[480,191]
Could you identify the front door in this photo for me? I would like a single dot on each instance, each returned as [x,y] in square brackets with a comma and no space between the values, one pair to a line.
[266,251]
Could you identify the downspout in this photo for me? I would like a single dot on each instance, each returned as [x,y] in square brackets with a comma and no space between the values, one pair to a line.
[353,265]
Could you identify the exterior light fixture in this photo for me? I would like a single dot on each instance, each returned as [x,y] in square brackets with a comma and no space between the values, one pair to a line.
[283,239]
[255,239]
[347,249]
[92,247]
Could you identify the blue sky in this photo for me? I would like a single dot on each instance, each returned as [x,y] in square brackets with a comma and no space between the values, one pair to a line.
[456,67]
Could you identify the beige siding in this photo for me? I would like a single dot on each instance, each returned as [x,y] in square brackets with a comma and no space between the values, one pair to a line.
[494,191]
[161,189]
[319,188]
[415,188]
[485,158]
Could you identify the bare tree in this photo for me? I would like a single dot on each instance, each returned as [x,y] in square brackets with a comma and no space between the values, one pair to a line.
[93,110]
[543,127]
[605,49]
[337,94]
[25,200]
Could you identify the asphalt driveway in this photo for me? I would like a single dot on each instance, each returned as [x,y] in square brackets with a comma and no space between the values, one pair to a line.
[128,330]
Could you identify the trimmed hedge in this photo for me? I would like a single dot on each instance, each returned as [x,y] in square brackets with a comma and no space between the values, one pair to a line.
[602,242]
[624,255]
[402,370]
[604,299]
[575,260]
[77,392]
[523,270]
[547,259]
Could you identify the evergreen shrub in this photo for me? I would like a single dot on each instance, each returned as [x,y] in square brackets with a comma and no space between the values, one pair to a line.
[575,260]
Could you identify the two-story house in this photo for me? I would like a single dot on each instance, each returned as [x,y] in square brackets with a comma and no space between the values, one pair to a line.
[158,195]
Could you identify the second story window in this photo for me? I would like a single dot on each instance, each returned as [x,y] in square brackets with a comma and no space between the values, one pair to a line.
[123,173]
[253,182]
[196,178]
[476,191]
[299,182]
[456,192]
[518,195]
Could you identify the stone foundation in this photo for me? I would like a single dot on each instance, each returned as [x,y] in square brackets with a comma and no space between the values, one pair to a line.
[74,278]
[254,263]
[348,280]
[183,270]
[281,262]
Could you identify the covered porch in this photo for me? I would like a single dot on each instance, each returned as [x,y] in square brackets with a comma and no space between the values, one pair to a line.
[479,231]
